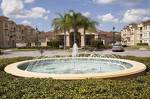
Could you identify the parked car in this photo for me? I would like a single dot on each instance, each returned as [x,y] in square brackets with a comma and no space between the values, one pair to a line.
[117,47]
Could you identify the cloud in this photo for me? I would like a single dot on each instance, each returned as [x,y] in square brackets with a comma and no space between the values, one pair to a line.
[103,1]
[86,14]
[46,17]
[36,12]
[11,7]
[109,18]
[123,2]
[26,22]
[135,15]
[28,1]
[15,8]
[146,18]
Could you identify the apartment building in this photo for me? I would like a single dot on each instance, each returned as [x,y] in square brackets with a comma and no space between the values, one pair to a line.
[7,33]
[13,35]
[136,33]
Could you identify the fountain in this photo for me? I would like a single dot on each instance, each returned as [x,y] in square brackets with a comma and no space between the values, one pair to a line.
[76,67]
[75,50]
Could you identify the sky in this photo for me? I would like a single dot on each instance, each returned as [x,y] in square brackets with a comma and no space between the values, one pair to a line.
[108,13]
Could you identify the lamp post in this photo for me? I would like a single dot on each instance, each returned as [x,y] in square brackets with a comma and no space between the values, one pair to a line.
[37,38]
[113,35]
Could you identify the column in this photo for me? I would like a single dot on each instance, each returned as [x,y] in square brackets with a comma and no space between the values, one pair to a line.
[82,41]
[67,40]
[96,37]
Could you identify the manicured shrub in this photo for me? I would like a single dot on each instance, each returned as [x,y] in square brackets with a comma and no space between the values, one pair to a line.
[98,44]
[142,44]
[12,87]
[53,44]
[0,52]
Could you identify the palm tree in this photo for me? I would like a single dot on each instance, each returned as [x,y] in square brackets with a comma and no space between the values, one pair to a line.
[61,23]
[72,20]
[75,21]
[88,23]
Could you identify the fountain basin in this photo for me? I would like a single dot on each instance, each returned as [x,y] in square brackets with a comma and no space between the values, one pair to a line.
[78,68]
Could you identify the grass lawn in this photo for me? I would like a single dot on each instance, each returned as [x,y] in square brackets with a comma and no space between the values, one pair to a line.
[24,88]
[138,47]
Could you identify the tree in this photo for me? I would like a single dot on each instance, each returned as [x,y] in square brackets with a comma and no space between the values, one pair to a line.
[61,23]
[87,23]
[75,21]
[72,20]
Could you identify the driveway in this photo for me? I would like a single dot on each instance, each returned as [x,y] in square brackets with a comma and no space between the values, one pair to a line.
[10,54]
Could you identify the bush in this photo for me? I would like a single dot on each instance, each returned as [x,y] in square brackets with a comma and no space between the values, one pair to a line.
[53,44]
[142,44]
[25,88]
[98,44]
[0,52]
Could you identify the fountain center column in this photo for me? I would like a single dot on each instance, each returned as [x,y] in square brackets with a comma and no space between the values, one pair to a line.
[75,50]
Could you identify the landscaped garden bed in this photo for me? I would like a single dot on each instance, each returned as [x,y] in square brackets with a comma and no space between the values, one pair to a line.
[17,88]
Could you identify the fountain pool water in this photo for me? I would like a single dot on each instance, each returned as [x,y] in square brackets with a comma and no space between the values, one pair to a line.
[82,66]
[75,67]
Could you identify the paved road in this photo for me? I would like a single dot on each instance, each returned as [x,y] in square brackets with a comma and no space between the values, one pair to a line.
[10,54]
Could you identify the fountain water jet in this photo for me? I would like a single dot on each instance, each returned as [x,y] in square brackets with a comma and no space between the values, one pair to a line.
[75,50]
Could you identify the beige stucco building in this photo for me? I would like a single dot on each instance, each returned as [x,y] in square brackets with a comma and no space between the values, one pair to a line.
[13,35]
[136,33]
[106,37]
[17,35]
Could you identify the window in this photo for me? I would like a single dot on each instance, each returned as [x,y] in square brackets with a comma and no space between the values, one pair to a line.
[145,27]
[145,34]
[140,29]
[145,41]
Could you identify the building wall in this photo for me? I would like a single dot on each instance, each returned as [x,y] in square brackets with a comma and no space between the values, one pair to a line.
[13,35]
[136,33]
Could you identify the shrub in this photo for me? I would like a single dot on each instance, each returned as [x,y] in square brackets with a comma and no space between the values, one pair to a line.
[98,44]
[25,88]
[53,44]
[0,52]
[142,44]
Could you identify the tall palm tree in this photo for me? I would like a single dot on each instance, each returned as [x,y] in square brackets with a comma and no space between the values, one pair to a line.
[88,23]
[61,23]
[75,21]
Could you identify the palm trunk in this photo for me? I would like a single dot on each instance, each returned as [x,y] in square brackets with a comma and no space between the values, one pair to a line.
[84,37]
[75,31]
[64,38]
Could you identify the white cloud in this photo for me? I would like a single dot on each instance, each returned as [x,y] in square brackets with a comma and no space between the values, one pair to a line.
[11,7]
[15,8]
[86,14]
[34,13]
[146,18]
[135,15]
[26,22]
[28,1]
[122,2]
[103,1]
[108,18]
[46,17]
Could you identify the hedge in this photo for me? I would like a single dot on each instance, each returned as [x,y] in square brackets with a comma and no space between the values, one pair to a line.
[53,43]
[98,44]
[25,88]
[142,44]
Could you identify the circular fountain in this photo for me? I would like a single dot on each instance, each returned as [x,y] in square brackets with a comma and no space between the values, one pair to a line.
[75,67]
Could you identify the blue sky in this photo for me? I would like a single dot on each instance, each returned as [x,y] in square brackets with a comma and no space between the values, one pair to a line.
[106,12]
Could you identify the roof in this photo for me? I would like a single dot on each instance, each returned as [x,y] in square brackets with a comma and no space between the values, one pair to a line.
[146,22]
